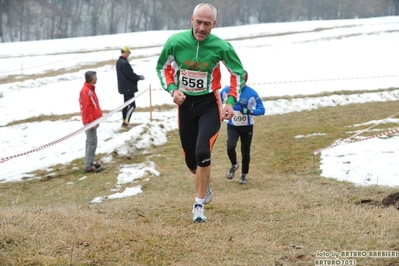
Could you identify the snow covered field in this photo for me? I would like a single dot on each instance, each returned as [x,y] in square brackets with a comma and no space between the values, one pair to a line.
[301,58]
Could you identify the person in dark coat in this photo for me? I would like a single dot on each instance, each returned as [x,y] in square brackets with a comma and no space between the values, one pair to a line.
[127,84]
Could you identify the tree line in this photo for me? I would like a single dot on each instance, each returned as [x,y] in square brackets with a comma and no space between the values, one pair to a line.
[28,20]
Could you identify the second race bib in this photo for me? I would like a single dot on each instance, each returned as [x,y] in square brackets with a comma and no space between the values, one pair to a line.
[239,119]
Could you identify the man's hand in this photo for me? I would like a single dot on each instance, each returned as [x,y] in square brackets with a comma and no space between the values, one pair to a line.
[142,77]
[178,97]
[227,112]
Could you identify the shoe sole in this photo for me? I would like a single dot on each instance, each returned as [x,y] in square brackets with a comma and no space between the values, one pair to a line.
[199,220]
[243,182]
[96,171]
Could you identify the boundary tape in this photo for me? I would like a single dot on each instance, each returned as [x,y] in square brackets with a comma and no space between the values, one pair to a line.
[358,133]
[327,79]
[83,129]
[311,80]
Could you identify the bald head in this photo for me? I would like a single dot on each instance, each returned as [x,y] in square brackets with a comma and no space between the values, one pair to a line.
[203,21]
[208,7]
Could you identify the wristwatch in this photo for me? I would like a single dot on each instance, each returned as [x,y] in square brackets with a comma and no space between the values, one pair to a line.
[171,92]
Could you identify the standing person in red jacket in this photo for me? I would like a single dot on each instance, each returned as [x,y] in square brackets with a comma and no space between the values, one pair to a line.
[90,111]
[127,84]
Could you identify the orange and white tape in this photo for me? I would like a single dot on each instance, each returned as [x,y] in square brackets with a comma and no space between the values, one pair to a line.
[347,140]
[83,129]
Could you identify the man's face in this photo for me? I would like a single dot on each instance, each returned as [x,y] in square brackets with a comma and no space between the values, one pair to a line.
[203,23]
[126,54]
[93,80]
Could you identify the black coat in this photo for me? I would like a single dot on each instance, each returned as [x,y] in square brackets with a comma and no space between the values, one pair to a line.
[127,79]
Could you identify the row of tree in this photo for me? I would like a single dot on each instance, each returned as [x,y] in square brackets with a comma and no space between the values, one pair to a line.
[23,20]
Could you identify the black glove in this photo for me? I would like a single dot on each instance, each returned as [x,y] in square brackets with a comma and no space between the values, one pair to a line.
[245,111]
[142,77]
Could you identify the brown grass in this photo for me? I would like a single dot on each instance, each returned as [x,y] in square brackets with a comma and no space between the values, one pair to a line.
[283,216]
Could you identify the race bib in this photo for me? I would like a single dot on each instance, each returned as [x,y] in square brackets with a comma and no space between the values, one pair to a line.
[239,119]
[193,81]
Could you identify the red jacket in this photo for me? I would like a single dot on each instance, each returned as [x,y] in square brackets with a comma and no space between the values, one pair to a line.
[89,106]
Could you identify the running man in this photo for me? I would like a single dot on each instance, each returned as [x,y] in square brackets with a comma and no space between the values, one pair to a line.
[241,126]
[189,69]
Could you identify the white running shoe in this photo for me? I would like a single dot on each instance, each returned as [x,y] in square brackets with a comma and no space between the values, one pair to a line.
[198,213]
[243,179]
[231,171]
[208,195]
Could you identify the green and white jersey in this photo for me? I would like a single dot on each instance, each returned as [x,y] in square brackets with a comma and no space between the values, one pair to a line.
[194,66]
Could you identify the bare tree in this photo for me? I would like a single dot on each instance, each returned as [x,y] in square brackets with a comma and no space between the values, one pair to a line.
[95,14]
[13,20]
[4,9]
[114,14]
[395,4]
[76,18]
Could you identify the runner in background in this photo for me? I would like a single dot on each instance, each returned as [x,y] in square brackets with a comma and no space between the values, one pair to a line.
[241,126]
